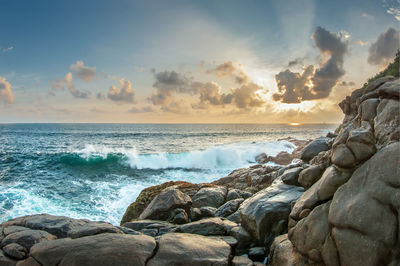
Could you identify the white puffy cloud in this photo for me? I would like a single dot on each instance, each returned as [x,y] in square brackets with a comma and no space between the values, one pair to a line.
[125,94]
[83,72]
[6,94]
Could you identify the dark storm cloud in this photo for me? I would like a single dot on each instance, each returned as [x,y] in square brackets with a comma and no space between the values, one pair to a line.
[314,83]
[384,48]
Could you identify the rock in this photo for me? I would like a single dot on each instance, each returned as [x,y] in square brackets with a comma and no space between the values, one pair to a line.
[343,157]
[179,216]
[315,147]
[27,238]
[15,251]
[331,135]
[241,261]
[243,237]
[261,158]
[377,83]
[195,214]
[257,253]
[368,109]
[362,144]
[237,194]
[387,120]
[206,227]
[150,226]
[310,175]
[165,202]
[230,240]
[309,234]
[290,176]
[364,212]
[282,253]
[128,231]
[101,249]
[390,89]
[206,212]
[264,215]
[13,229]
[188,249]
[6,261]
[59,226]
[212,197]
[148,194]
[93,228]
[234,217]
[228,208]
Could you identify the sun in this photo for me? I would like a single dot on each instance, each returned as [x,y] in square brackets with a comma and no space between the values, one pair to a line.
[294,124]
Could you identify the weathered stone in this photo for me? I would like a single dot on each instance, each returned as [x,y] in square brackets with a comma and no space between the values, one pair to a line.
[161,206]
[213,197]
[228,208]
[237,194]
[257,253]
[329,252]
[207,212]
[315,147]
[290,176]
[368,108]
[230,240]
[101,249]
[195,214]
[5,260]
[241,261]
[188,249]
[234,217]
[13,229]
[27,238]
[282,253]
[390,89]
[206,227]
[362,144]
[387,120]
[93,228]
[15,251]
[242,236]
[264,215]
[150,226]
[368,206]
[310,175]
[179,216]
[343,157]
[377,83]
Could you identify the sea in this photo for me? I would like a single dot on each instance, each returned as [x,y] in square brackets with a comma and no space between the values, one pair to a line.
[94,171]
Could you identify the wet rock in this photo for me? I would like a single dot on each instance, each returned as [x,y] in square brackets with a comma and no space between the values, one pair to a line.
[228,208]
[27,238]
[343,157]
[315,147]
[290,176]
[184,249]
[310,175]
[206,227]
[212,197]
[264,215]
[161,206]
[15,251]
[101,249]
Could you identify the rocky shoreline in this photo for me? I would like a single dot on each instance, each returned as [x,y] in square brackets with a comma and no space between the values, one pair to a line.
[333,201]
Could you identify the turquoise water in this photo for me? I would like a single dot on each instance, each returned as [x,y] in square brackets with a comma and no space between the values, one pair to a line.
[95,171]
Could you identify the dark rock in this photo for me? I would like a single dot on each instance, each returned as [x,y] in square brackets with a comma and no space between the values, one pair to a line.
[93,228]
[230,240]
[237,194]
[207,212]
[331,135]
[150,227]
[150,232]
[228,208]
[209,197]
[234,217]
[310,175]
[13,229]
[290,176]
[315,147]
[128,231]
[243,237]
[101,249]
[15,251]
[179,216]
[195,214]
[264,215]
[343,157]
[27,238]
[206,227]
[161,206]
[188,249]
[257,253]
[5,260]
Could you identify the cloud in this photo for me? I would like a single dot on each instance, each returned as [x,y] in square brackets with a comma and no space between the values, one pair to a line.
[315,83]
[125,94]
[8,49]
[167,83]
[228,69]
[176,107]
[295,62]
[60,84]
[83,72]
[6,94]
[384,48]
[145,109]
[210,94]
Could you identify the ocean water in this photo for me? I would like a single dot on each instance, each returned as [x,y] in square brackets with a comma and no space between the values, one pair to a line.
[95,171]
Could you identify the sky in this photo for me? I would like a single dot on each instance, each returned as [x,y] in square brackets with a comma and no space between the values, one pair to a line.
[186,61]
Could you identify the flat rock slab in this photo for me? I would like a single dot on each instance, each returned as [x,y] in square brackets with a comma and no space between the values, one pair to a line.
[210,226]
[188,249]
[102,249]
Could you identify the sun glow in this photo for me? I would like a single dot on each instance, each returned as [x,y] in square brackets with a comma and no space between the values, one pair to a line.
[294,124]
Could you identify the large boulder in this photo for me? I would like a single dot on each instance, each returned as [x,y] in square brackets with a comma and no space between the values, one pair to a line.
[315,147]
[390,90]
[310,175]
[161,206]
[387,120]
[228,208]
[211,196]
[6,260]
[188,249]
[102,249]
[206,227]
[265,214]
[27,238]
[291,176]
